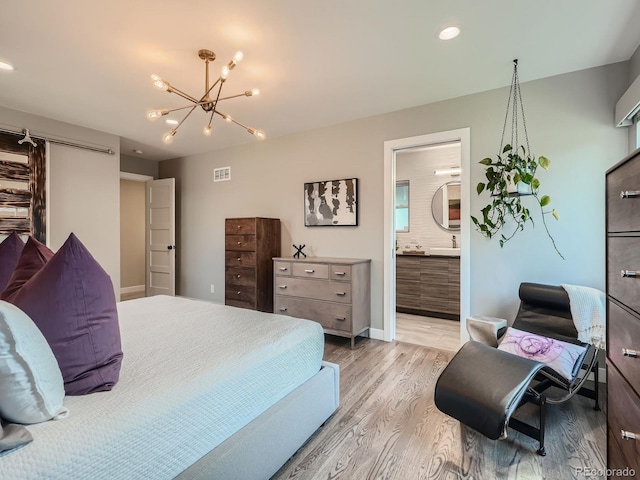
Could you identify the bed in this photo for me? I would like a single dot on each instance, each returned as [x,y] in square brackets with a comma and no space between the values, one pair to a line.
[205,391]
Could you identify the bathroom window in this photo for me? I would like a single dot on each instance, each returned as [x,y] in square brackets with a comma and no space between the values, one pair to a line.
[402,206]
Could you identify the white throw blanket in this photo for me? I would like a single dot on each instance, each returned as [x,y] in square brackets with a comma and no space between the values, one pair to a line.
[588,311]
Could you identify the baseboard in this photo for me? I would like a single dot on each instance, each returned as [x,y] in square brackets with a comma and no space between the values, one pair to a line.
[134,289]
[376,333]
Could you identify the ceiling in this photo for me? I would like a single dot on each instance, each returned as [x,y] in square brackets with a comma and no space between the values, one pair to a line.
[316,63]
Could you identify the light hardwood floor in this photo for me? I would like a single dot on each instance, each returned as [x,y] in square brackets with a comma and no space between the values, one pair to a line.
[428,331]
[387,427]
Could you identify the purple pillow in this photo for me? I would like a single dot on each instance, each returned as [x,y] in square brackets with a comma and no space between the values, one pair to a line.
[33,257]
[10,250]
[71,300]
[560,356]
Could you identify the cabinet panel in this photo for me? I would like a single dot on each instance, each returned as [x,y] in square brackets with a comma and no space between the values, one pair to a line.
[244,294]
[623,214]
[240,276]
[240,259]
[246,243]
[626,335]
[282,268]
[240,225]
[300,287]
[334,316]
[341,272]
[310,270]
[624,255]
[623,414]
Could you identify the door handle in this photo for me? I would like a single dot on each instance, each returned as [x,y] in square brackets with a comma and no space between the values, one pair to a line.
[171,247]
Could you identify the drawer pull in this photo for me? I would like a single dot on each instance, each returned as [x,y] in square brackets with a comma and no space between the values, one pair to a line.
[239,293]
[342,319]
[239,259]
[239,227]
[283,309]
[340,273]
[283,269]
[627,352]
[628,273]
[282,286]
[239,243]
[238,276]
[309,270]
[629,435]
[629,193]
[341,294]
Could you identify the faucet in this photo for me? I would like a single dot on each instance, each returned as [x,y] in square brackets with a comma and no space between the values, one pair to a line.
[453,239]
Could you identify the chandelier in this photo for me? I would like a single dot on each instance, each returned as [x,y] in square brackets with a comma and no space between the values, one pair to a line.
[206,102]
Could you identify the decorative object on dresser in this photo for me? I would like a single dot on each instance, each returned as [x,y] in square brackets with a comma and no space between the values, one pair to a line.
[331,203]
[334,292]
[623,313]
[250,244]
[299,250]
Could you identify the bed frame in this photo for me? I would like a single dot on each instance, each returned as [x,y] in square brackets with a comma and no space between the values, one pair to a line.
[258,450]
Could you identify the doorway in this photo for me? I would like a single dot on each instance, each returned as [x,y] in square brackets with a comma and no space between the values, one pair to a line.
[132,235]
[394,149]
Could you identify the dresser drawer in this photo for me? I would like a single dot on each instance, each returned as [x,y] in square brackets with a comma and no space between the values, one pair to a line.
[240,259]
[319,290]
[340,272]
[240,225]
[240,295]
[332,316]
[623,214]
[240,276]
[240,242]
[624,333]
[282,268]
[624,255]
[311,270]
[623,414]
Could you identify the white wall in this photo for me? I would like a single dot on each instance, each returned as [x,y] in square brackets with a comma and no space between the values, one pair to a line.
[569,119]
[83,188]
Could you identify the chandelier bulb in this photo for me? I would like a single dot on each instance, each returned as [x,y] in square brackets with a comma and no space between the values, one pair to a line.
[153,114]
[207,130]
[257,133]
[227,118]
[252,92]
[168,137]
[225,72]
[159,82]
[237,58]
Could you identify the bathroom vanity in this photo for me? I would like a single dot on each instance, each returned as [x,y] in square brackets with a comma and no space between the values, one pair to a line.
[428,285]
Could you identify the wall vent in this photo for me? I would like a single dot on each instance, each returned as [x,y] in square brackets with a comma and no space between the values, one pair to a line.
[221,174]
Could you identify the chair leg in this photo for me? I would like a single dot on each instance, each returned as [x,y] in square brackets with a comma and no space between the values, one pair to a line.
[596,388]
[543,404]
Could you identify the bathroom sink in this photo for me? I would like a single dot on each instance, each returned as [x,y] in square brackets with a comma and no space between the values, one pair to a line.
[446,251]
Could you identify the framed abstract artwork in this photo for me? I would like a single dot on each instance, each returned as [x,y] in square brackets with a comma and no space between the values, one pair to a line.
[331,203]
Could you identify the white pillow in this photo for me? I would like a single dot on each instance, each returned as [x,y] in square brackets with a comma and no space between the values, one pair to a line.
[31,386]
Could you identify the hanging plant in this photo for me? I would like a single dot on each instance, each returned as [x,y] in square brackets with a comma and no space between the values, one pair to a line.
[510,177]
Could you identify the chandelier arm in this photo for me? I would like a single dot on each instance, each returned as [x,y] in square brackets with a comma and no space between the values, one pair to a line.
[206,94]
[235,96]
[215,103]
[179,92]
[229,117]
[175,129]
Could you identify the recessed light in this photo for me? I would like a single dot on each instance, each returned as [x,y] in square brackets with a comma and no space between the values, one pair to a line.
[171,121]
[139,152]
[5,66]
[449,33]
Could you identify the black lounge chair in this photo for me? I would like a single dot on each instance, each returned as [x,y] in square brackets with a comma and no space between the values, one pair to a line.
[483,386]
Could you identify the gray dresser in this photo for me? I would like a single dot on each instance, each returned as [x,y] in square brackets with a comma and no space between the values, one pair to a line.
[334,292]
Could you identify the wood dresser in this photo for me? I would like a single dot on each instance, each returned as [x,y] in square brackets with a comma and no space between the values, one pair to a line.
[623,316]
[334,292]
[428,285]
[250,244]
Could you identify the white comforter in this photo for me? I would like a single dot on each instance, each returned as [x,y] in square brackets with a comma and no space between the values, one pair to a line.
[193,373]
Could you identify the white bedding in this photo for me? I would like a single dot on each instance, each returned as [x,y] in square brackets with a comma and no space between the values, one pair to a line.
[193,373]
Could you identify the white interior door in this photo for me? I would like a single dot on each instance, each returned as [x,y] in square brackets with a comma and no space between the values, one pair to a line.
[161,237]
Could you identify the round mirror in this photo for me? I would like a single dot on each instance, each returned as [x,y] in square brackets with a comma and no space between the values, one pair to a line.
[445,206]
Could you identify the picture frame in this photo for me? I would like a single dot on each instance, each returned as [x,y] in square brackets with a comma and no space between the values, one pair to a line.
[331,203]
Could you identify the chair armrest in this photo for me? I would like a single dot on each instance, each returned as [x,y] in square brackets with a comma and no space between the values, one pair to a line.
[485,329]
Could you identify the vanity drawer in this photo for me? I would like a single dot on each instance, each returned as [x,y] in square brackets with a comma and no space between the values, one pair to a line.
[282,268]
[341,272]
[311,270]
[319,290]
[240,242]
[240,276]
[623,412]
[624,255]
[240,259]
[627,336]
[240,226]
[332,316]
[623,214]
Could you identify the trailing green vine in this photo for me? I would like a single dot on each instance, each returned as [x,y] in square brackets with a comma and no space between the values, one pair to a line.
[511,169]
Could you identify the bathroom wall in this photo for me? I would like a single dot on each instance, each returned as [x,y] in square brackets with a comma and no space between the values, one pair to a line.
[418,166]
